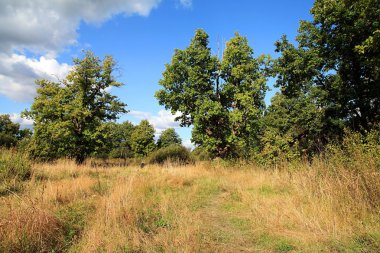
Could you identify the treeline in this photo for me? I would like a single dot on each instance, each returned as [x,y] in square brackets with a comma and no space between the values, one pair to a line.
[125,140]
[328,81]
[76,119]
[115,140]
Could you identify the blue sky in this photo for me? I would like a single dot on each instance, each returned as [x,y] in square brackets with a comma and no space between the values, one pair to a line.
[140,34]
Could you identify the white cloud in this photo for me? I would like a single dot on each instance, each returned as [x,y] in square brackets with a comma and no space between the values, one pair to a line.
[18,73]
[45,28]
[188,144]
[186,3]
[48,26]
[163,120]
[16,118]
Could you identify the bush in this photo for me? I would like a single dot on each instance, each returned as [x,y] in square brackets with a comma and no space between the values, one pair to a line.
[201,154]
[173,153]
[14,168]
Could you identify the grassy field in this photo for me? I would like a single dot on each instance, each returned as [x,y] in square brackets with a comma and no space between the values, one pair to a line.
[206,207]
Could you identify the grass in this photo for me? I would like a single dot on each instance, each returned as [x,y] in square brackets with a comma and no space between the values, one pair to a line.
[15,168]
[325,206]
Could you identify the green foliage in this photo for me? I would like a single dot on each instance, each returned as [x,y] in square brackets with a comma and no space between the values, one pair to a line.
[243,93]
[174,153]
[73,220]
[115,140]
[293,128]
[168,137]
[14,169]
[336,31]
[68,116]
[201,154]
[189,79]
[356,151]
[223,100]
[328,81]
[142,139]
[10,133]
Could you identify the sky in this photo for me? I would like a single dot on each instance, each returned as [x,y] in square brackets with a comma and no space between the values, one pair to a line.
[39,39]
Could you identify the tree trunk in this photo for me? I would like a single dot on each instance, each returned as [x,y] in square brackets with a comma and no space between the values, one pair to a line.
[79,159]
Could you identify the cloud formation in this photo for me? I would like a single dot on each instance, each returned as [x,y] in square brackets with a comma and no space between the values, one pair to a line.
[16,118]
[18,73]
[48,26]
[45,28]
[163,120]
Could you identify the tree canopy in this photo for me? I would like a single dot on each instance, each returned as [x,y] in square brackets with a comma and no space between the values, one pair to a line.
[223,100]
[329,80]
[142,139]
[10,132]
[68,115]
[168,137]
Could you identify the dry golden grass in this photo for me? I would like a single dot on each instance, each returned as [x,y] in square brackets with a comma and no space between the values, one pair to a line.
[196,208]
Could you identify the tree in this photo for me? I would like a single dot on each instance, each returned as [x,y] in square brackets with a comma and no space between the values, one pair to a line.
[189,79]
[116,140]
[295,123]
[168,137]
[8,131]
[122,139]
[243,93]
[215,96]
[142,139]
[292,128]
[68,115]
[344,33]
[329,81]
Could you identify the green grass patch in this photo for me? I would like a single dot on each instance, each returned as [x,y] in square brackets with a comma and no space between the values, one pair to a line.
[275,243]
[101,187]
[150,220]
[269,191]
[73,218]
[242,224]
[206,189]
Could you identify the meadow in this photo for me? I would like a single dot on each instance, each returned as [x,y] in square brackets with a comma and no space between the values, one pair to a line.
[328,205]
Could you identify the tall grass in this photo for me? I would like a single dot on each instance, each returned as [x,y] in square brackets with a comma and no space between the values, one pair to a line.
[331,204]
[15,168]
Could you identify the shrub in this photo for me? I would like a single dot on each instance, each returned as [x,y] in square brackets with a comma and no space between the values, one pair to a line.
[201,154]
[14,168]
[174,153]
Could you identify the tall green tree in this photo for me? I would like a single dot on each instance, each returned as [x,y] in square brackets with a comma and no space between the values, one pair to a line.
[189,80]
[68,115]
[214,96]
[296,123]
[142,139]
[344,33]
[168,137]
[243,92]
[329,80]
